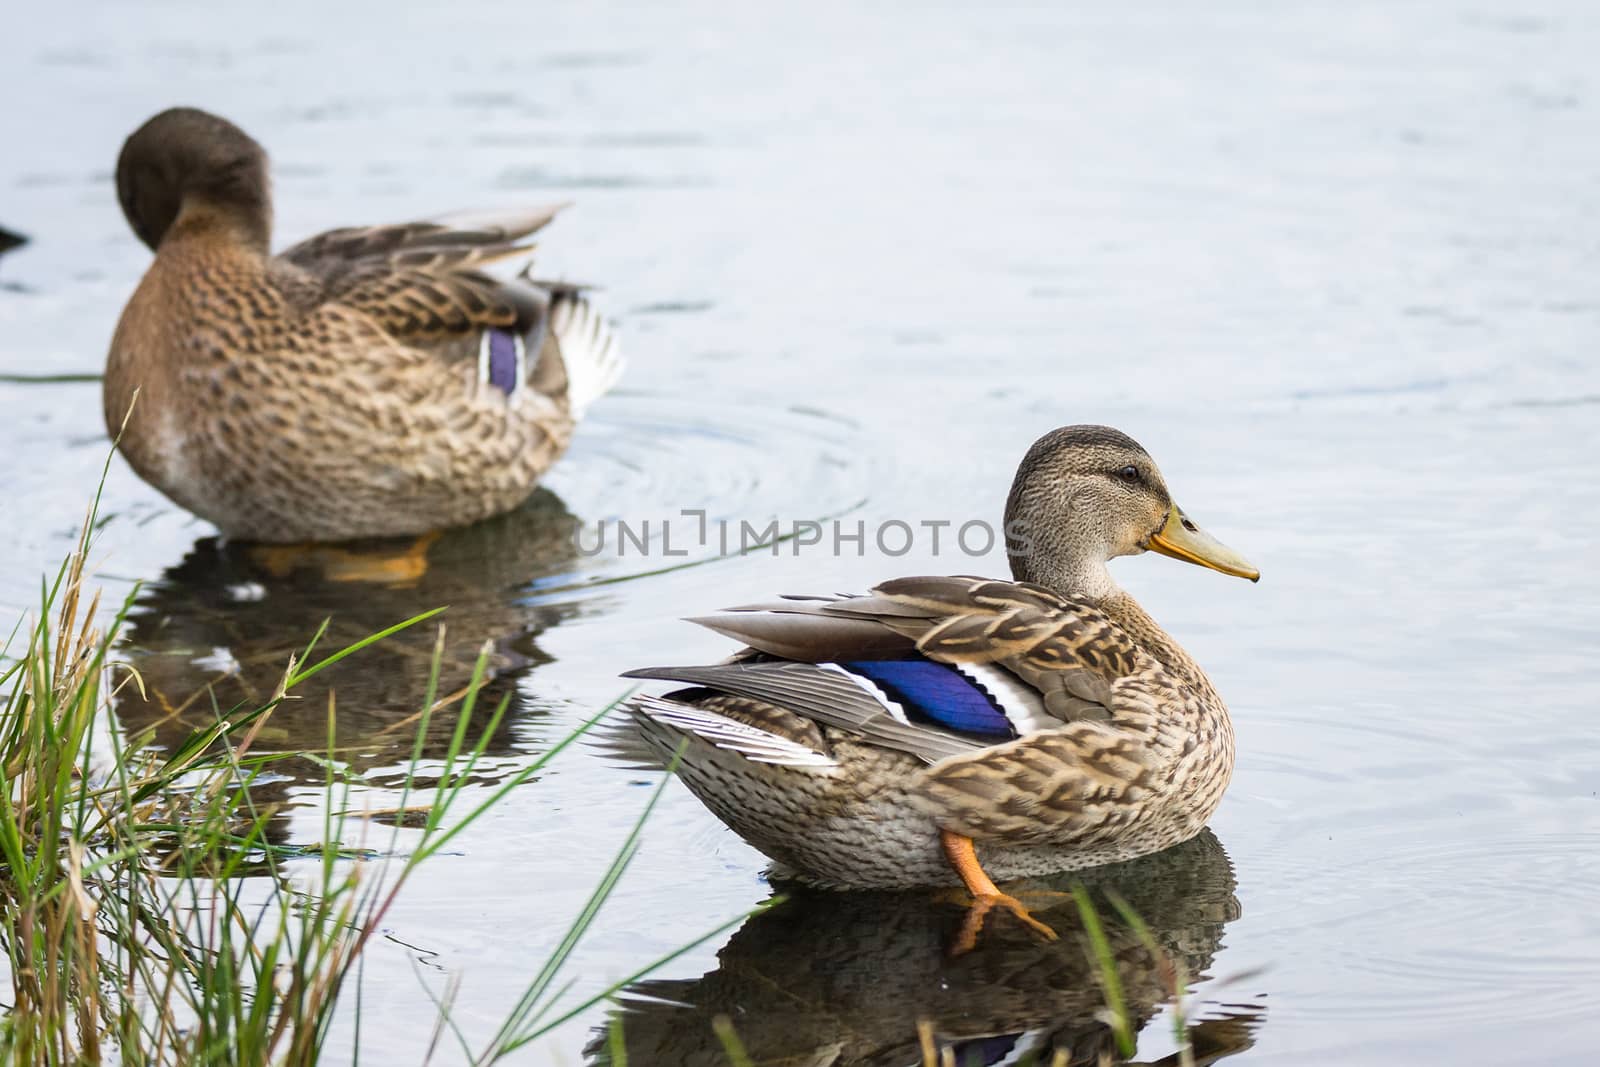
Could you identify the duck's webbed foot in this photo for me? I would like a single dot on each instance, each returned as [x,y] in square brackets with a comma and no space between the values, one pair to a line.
[986,896]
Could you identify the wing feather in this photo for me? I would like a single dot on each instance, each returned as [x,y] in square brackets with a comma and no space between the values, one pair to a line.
[823,695]
[457,240]
[422,282]
[749,741]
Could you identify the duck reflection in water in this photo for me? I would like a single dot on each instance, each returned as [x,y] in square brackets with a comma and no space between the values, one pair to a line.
[832,979]
[214,635]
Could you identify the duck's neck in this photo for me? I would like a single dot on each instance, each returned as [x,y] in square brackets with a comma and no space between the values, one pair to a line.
[246,227]
[1082,578]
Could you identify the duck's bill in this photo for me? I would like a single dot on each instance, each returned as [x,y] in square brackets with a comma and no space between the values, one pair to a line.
[1180,538]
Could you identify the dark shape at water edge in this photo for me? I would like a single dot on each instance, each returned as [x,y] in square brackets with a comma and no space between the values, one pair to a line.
[215,633]
[9,241]
[843,979]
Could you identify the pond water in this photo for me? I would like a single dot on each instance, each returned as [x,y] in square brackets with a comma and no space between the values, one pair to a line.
[1334,265]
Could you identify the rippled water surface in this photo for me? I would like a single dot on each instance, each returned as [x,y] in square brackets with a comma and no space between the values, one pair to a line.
[1334,265]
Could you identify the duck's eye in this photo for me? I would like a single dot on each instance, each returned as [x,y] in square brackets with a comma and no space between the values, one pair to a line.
[1129,474]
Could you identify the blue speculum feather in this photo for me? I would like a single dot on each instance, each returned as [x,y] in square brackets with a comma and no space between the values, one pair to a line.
[936,692]
[503,360]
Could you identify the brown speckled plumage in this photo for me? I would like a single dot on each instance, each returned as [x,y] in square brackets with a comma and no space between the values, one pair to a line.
[335,390]
[1123,746]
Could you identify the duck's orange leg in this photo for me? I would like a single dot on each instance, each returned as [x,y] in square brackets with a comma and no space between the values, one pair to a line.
[986,896]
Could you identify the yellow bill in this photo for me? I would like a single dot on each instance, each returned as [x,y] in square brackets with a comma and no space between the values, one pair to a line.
[1181,539]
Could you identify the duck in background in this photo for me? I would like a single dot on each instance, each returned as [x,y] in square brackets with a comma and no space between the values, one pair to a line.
[878,741]
[368,382]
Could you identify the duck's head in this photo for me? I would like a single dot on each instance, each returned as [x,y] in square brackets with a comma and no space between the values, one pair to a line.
[1087,494]
[188,163]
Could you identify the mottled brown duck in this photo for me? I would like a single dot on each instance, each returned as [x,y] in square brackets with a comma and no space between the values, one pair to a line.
[366,382]
[897,738]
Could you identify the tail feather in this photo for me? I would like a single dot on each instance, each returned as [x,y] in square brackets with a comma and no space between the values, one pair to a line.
[655,725]
[588,347]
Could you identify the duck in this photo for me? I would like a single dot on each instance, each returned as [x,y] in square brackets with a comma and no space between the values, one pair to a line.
[367,382]
[940,730]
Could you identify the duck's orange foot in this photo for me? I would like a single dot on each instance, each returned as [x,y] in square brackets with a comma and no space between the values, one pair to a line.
[978,914]
[387,565]
[963,857]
